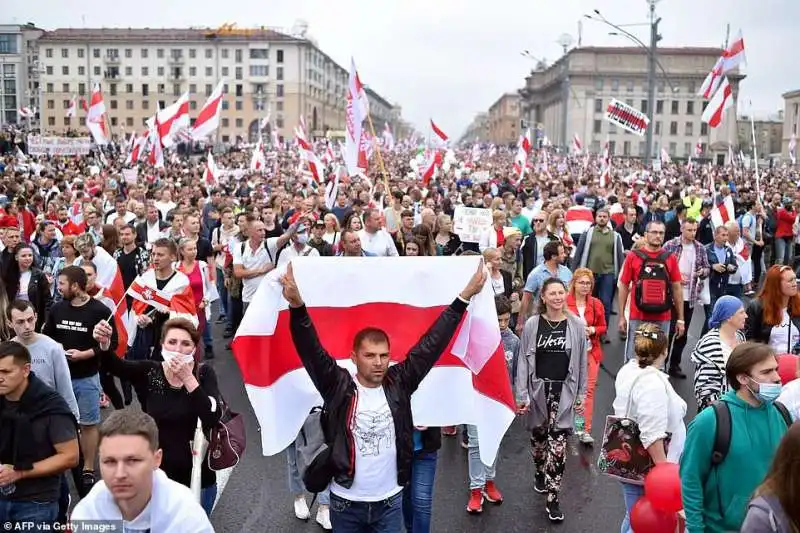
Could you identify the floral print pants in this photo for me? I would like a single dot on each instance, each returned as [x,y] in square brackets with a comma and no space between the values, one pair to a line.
[549,445]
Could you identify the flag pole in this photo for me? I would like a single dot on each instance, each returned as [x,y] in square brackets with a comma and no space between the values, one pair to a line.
[755,152]
[387,193]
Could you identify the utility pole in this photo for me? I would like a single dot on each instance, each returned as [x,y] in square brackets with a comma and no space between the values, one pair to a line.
[651,79]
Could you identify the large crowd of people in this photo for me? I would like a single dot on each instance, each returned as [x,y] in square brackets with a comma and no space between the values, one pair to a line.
[567,257]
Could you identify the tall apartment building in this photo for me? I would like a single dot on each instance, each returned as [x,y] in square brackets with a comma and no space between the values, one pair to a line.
[791,116]
[504,118]
[769,134]
[478,129]
[19,72]
[141,70]
[571,96]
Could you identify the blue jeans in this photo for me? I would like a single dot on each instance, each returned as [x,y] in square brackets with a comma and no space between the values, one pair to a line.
[783,251]
[385,516]
[223,293]
[296,485]
[418,494]
[604,286]
[479,473]
[737,291]
[208,496]
[631,494]
[87,393]
[31,511]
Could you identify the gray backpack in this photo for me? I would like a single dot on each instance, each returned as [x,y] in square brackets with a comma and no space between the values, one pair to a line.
[313,452]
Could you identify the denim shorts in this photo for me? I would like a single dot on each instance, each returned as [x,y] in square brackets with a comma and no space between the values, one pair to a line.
[87,393]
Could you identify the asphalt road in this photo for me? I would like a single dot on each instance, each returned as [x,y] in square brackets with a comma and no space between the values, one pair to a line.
[257,499]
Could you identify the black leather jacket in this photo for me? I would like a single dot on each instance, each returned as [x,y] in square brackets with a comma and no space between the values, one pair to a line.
[339,392]
[756,330]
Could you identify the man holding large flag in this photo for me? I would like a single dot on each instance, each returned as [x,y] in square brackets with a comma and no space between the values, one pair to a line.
[369,423]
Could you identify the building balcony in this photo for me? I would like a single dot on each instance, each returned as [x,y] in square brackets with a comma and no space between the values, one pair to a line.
[111,60]
[111,75]
[176,77]
[176,60]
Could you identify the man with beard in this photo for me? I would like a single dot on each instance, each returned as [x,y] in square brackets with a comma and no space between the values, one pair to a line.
[65,225]
[71,323]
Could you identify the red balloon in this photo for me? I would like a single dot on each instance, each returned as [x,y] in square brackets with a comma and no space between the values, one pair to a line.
[787,367]
[662,486]
[647,519]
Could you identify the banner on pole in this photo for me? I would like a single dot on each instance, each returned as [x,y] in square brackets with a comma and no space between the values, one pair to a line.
[627,117]
[50,145]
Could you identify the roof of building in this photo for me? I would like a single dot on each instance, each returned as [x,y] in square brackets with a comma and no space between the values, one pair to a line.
[791,94]
[684,50]
[373,94]
[225,33]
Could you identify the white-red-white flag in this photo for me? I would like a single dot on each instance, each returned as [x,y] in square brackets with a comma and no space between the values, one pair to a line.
[723,211]
[153,297]
[211,172]
[721,101]
[96,116]
[207,120]
[471,367]
[793,148]
[73,107]
[257,159]
[734,55]
[314,166]
[577,145]
[109,278]
[356,111]
[665,158]
[523,150]
[605,172]
[156,155]
[26,112]
[428,170]
[712,81]
[440,138]
[172,119]
[388,137]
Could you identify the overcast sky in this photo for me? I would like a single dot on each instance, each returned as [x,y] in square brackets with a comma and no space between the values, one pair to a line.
[449,59]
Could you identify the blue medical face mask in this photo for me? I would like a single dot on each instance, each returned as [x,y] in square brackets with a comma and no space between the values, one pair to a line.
[767,392]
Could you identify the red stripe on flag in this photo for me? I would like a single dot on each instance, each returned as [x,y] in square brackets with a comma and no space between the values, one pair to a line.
[264,359]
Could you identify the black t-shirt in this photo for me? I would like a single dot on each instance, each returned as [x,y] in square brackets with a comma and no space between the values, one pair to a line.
[204,250]
[47,431]
[127,266]
[72,326]
[552,361]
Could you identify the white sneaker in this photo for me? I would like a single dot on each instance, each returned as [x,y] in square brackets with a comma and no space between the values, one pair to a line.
[301,508]
[586,438]
[324,517]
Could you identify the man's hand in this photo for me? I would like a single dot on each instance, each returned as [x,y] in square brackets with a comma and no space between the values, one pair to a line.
[78,355]
[719,268]
[143,321]
[102,334]
[680,328]
[522,408]
[8,475]
[290,291]
[476,282]
[623,325]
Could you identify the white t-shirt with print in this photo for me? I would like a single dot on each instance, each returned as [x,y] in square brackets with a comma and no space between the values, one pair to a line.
[375,449]
[779,336]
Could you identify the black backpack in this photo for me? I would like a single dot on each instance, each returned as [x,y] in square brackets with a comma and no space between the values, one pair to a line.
[264,245]
[722,440]
[653,286]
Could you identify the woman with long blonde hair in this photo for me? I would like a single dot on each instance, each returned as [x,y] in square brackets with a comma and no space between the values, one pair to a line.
[590,309]
[557,225]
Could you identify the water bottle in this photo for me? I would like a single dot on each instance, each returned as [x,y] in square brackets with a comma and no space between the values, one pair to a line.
[580,423]
[7,490]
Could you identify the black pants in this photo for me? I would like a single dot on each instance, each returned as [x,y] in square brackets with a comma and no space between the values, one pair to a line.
[758,253]
[237,310]
[679,343]
[111,390]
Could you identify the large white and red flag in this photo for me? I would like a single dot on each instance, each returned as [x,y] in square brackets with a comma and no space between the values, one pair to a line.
[605,172]
[73,107]
[356,111]
[26,112]
[721,101]
[440,138]
[793,148]
[712,81]
[388,136]
[172,119]
[207,120]
[177,290]
[151,296]
[156,155]
[523,150]
[469,384]
[211,173]
[577,145]
[314,165]
[96,116]
[734,56]
[110,279]
[723,211]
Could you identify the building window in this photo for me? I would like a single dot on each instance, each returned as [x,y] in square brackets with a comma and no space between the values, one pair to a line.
[192,88]
[690,108]
[224,53]
[675,106]
[65,87]
[112,89]
[239,90]
[598,84]
[629,102]
[238,55]
[673,148]
[65,70]
[96,71]
[128,104]
[51,121]
[81,88]
[145,71]
[209,53]
[209,72]
[145,104]
[208,89]
[239,123]
[161,88]
[80,53]
[51,104]
[673,128]
[598,105]
[612,128]
[642,148]
[113,121]
[65,53]
[259,53]
[703,129]
[145,89]
[129,71]
[225,72]
[629,86]
[193,71]
[626,148]
[614,84]
[687,149]
[48,52]
[661,86]
[689,128]
[81,71]
[129,122]
[612,147]
[192,53]
[259,70]
[225,122]
[279,90]
[160,53]
[238,105]
[67,122]
[239,73]
[96,53]
[279,73]
[129,88]
[225,104]
[659,107]
[113,104]
[279,122]
[279,56]
[49,86]
[160,71]
[658,127]
[279,105]
[598,126]
[193,105]
[66,103]
[143,53]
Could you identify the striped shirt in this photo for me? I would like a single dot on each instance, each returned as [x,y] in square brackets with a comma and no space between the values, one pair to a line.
[709,374]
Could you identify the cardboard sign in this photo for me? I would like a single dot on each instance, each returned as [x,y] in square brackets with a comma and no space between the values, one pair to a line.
[131,175]
[469,223]
[656,165]
[58,145]
[626,117]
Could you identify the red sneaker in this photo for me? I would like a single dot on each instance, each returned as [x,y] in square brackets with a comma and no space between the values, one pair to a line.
[449,431]
[475,504]
[492,493]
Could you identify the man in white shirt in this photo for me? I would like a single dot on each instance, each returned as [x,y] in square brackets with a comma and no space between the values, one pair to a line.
[120,210]
[252,260]
[134,490]
[375,239]
[293,243]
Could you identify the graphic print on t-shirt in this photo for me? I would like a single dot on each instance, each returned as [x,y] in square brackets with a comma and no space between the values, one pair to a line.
[374,431]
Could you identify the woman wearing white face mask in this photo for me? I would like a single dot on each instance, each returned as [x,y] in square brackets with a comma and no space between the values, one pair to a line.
[178,392]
